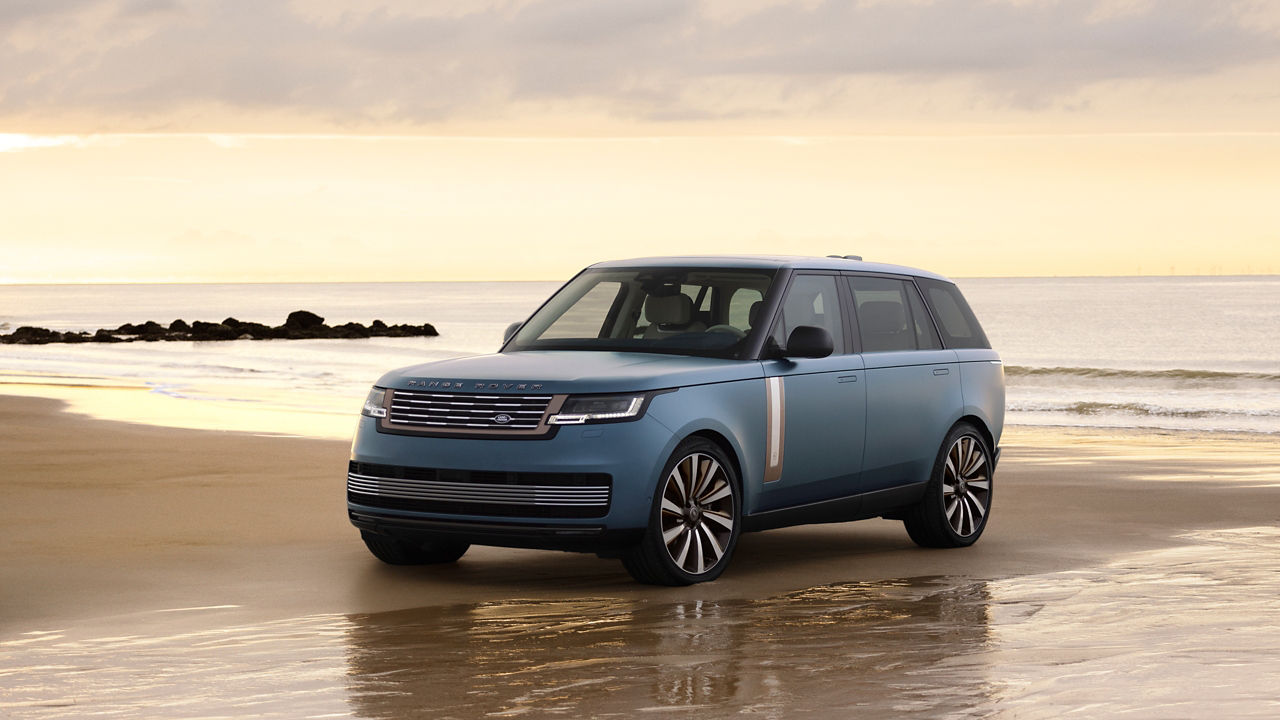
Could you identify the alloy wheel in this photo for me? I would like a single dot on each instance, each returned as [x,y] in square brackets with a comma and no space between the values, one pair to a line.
[966,485]
[697,513]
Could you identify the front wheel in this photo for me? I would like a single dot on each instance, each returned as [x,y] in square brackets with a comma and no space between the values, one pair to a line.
[957,500]
[695,520]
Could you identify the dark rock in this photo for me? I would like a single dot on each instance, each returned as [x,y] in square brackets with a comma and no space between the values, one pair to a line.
[211,331]
[27,335]
[352,330]
[303,320]
[300,325]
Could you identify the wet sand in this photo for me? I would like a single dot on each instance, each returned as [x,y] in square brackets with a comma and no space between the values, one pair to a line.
[159,572]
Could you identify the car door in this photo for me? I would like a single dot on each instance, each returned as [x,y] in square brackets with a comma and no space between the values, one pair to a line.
[912,383]
[815,407]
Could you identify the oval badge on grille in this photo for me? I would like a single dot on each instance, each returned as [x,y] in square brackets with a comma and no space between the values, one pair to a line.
[502,419]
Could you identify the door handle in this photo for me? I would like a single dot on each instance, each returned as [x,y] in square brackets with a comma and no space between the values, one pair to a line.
[847,378]
[941,371]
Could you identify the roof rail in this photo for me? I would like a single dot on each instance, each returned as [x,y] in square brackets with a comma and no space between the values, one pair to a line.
[846,257]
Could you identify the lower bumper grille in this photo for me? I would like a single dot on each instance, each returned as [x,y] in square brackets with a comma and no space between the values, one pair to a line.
[474,492]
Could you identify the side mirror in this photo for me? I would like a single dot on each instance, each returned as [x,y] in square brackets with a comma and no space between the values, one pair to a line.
[511,330]
[808,341]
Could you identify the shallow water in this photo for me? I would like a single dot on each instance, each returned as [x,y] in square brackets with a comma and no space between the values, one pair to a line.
[1190,631]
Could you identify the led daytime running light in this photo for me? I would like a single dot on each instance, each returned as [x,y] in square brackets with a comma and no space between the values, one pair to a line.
[579,418]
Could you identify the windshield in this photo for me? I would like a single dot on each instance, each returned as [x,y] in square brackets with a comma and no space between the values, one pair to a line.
[687,311]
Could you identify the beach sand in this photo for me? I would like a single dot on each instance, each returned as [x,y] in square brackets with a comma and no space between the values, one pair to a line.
[117,530]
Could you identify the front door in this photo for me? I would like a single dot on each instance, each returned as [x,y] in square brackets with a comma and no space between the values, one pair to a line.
[815,407]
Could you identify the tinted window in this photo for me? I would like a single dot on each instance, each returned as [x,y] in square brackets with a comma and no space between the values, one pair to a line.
[811,300]
[891,315]
[926,335]
[960,329]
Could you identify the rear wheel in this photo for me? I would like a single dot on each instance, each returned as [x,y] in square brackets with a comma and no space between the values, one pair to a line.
[695,520]
[395,552]
[957,501]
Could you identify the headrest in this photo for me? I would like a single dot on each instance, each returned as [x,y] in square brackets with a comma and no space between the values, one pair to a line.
[754,313]
[669,309]
[882,318]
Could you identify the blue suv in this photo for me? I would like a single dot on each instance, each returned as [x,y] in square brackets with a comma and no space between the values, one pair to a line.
[653,409]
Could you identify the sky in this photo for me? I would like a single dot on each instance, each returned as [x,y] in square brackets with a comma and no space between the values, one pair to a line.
[179,141]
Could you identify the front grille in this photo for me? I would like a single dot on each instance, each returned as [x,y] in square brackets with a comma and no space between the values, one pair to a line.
[477,492]
[465,411]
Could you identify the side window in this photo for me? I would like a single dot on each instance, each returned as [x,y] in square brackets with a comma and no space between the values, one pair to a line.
[811,300]
[740,307]
[891,315]
[584,319]
[960,329]
[926,335]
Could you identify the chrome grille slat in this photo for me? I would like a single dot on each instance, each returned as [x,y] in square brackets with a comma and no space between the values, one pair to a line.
[519,493]
[465,411]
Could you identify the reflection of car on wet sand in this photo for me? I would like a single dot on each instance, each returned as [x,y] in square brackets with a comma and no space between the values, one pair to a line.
[654,409]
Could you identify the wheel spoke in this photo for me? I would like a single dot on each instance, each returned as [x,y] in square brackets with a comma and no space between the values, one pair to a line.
[669,536]
[721,518]
[951,507]
[677,478]
[976,507]
[984,484]
[976,461]
[670,507]
[706,472]
[951,468]
[697,551]
[684,551]
[715,546]
[722,492]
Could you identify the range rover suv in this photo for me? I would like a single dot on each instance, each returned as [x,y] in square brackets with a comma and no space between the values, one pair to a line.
[654,409]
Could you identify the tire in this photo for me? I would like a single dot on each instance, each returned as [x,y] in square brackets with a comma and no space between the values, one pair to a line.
[394,552]
[690,542]
[957,500]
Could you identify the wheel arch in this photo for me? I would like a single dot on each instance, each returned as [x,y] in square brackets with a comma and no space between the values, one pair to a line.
[726,447]
[982,428]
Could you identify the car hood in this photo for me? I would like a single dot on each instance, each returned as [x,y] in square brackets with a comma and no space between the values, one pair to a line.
[561,371]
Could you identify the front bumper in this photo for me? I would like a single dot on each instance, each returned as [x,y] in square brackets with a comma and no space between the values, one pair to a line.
[630,453]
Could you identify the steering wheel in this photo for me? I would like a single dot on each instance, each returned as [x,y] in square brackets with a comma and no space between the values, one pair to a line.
[728,330]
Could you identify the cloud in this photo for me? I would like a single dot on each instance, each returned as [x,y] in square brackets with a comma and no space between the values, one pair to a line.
[161,64]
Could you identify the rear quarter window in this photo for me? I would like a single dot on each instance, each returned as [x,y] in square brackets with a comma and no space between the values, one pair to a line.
[959,326]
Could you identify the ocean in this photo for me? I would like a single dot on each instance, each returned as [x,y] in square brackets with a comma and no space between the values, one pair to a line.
[1168,353]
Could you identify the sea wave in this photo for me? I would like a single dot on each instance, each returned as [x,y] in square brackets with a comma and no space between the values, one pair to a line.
[1114,373]
[1142,409]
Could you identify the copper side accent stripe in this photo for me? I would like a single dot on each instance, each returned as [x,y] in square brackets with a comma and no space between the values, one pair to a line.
[775,428]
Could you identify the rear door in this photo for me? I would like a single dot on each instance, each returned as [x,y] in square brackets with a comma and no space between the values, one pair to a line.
[912,383]
[815,407]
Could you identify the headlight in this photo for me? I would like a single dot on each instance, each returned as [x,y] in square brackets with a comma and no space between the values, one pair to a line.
[598,408]
[373,404]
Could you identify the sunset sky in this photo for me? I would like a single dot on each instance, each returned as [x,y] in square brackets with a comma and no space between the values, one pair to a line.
[150,140]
